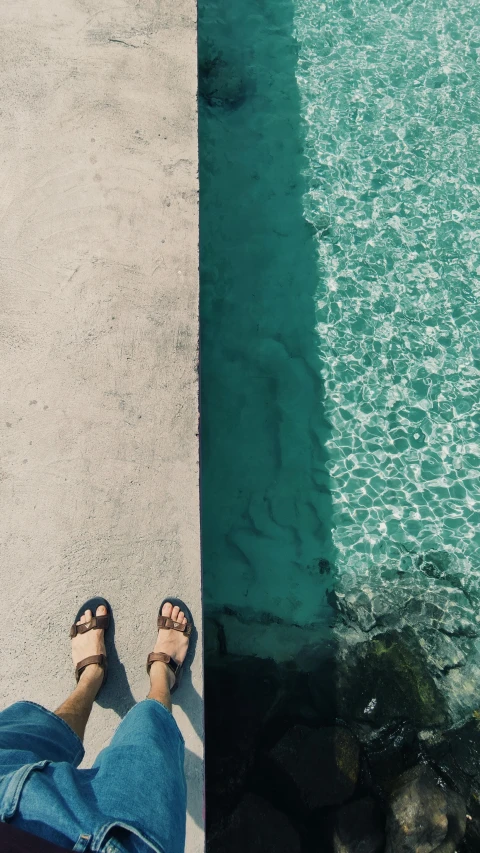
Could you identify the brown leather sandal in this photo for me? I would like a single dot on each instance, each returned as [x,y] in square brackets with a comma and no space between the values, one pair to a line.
[168,624]
[96,622]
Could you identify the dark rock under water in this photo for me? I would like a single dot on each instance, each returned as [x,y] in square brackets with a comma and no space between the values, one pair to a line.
[424,814]
[296,750]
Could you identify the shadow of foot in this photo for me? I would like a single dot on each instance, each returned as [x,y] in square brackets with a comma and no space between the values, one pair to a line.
[116,693]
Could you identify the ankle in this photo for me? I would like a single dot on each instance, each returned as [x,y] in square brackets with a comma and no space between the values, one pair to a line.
[91,678]
[161,675]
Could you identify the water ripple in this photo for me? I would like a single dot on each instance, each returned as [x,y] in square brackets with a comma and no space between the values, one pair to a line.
[391,99]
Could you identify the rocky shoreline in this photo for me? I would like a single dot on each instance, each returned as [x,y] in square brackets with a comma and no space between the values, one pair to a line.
[356,754]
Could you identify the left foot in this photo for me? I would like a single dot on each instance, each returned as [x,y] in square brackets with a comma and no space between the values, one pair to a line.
[88,644]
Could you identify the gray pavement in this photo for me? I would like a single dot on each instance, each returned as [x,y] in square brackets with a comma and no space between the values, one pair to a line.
[98,346]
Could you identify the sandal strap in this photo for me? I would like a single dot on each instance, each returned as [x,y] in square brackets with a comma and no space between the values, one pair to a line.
[173,665]
[100,659]
[98,622]
[166,622]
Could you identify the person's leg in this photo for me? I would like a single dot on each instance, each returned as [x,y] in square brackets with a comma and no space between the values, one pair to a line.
[161,682]
[146,757]
[76,709]
[175,644]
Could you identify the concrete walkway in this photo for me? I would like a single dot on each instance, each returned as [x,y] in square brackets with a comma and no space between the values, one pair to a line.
[98,345]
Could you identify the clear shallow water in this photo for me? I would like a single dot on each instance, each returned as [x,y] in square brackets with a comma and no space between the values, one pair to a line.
[340,238]
[391,96]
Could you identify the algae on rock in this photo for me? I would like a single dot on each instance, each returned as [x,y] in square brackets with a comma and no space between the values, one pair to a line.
[386,679]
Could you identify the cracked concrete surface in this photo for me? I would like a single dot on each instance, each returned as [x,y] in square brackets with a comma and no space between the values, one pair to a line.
[99,293]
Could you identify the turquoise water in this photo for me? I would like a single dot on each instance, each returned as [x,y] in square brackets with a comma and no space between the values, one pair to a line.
[266,491]
[340,278]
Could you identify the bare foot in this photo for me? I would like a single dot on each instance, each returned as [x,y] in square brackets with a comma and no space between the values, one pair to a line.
[90,643]
[171,642]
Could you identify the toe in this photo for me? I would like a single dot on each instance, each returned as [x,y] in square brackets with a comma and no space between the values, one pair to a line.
[88,615]
[167,609]
[101,610]
[81,620]
[181,617]
[175,613]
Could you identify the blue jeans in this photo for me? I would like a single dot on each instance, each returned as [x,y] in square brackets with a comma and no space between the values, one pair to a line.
[133,798]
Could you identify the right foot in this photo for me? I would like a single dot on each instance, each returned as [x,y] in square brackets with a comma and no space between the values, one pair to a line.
[171,642]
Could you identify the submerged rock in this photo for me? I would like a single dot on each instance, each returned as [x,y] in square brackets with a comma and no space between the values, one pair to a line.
[257,827]
[281,741]
[424,816]
[320,765]
[387,679]
[359,827]
[390,752]
[471,842]
[239,696]
[430,601]
[456,755]
[465,748]
[321,682]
